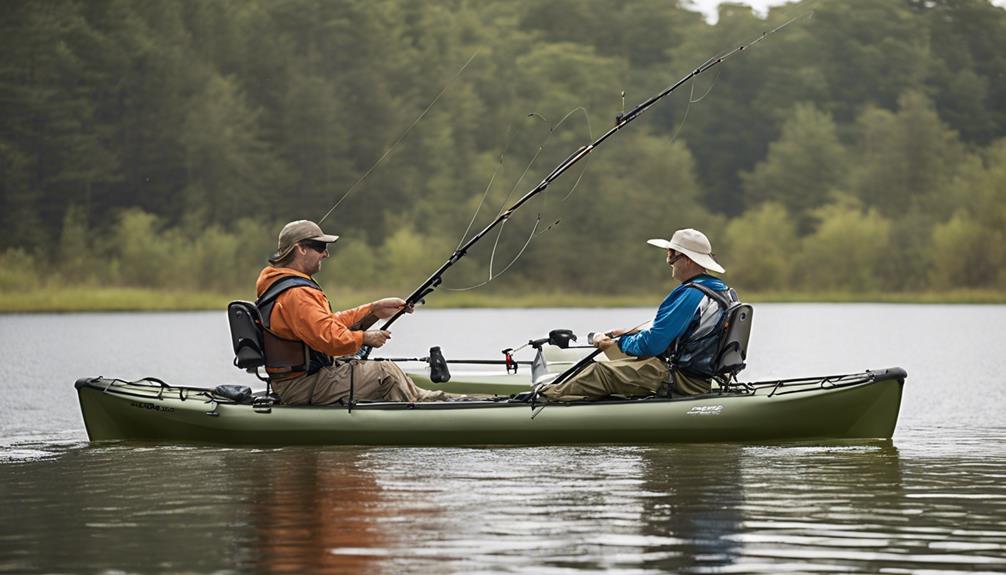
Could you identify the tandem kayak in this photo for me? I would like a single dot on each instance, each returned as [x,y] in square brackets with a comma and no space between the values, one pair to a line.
[852,406]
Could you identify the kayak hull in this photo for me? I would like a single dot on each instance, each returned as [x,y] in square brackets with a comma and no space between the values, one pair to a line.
[864,408]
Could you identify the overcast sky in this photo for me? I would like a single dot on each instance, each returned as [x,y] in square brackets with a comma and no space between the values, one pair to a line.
[708,7]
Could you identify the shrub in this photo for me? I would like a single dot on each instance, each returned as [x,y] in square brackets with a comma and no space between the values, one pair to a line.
[18,271]
[760,248]
[846,251]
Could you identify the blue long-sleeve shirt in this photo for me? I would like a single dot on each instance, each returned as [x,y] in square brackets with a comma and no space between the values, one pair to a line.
[674,316]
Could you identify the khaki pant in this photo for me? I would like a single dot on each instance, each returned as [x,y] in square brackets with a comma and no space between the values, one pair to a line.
[371,380]
[631,377]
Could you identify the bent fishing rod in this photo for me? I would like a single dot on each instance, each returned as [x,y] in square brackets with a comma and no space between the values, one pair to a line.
[621,120]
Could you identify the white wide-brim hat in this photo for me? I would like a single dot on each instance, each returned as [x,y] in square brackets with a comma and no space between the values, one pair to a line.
[694,244]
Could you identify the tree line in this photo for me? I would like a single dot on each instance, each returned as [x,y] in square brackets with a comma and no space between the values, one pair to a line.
[163,144]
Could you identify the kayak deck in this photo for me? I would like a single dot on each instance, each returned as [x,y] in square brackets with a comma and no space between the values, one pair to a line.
[853,406]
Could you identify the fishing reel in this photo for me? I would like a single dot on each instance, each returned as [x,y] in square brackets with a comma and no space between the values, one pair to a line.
[558,337]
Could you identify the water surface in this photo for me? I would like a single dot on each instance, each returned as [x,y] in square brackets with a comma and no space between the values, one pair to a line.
[932,500]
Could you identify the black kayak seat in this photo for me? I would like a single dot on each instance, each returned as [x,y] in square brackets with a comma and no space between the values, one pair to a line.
[734,349]
[246,335]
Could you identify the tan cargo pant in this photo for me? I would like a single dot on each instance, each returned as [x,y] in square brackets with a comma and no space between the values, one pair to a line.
[631,377]
[371,380]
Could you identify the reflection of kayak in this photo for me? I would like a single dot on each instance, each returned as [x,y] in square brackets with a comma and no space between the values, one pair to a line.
[857,406]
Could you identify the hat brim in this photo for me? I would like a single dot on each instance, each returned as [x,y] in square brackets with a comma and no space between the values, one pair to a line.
[279,256]
[328,239]
[704,260]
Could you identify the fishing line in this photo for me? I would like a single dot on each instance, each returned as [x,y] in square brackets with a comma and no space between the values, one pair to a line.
[532,235]
[590,137]
[693,100]
[508,266]
[492,178]
[622,119]
[400,137]
[711,86]
[541,147]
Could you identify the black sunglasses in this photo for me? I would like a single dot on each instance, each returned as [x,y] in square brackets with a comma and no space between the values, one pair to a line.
[315,245]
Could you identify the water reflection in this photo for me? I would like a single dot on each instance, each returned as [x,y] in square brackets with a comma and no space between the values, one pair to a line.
[808,507]
[935,507]
[694,507]
[308,502]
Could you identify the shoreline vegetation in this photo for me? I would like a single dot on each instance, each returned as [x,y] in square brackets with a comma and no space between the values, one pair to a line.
[77,300]
[151,151]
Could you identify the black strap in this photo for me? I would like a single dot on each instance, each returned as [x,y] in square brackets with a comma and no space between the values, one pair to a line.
[720,298]
[724,300]
[266,301]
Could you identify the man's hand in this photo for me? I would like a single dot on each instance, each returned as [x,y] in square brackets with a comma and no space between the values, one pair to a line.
[376,337]
[602,341]
[389,306]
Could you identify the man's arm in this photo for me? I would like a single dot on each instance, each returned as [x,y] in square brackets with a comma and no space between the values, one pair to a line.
[378,310]
[306,313]
[673,317]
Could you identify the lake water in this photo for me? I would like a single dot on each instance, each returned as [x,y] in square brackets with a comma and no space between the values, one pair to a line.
[932,500]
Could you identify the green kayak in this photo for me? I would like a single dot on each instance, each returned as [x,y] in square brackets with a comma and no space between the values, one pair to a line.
[854,406]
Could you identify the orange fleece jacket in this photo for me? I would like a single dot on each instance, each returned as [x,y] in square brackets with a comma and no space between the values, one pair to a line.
[304,314]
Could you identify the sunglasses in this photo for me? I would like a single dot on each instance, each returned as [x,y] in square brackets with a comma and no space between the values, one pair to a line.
[677,256]
[315,245]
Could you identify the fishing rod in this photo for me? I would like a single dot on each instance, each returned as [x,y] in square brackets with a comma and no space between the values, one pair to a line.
[585,361]
[621,120]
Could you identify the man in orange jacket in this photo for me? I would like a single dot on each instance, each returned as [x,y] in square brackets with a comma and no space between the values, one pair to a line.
[302,333]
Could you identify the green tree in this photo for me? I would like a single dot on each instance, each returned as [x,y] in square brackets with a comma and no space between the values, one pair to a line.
[969,250]
[646,188]
[965,254]
[18,271]
[231,171]
[761,247]
[966,59]
[802,168]
[51,143]
[146,256]
[406,258]
[77,260]
[906,159]
[352,264]
[846,251]
[909,254]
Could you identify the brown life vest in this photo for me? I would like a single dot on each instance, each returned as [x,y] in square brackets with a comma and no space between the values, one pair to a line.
[286,356]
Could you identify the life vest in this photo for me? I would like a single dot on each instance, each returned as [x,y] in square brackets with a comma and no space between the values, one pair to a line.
[715,343]
[283,356]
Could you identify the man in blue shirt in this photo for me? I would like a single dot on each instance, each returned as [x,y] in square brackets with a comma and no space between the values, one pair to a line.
[683,318]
